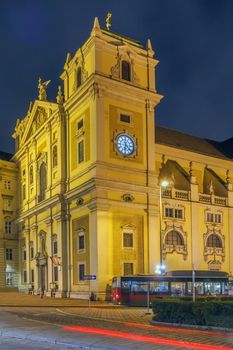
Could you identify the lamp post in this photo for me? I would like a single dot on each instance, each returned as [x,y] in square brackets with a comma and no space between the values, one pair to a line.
[160,269]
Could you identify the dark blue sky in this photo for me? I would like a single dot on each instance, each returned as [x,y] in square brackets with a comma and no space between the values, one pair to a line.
[193,39]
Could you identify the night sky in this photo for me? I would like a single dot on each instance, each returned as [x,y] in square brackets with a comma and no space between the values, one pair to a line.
[193,40]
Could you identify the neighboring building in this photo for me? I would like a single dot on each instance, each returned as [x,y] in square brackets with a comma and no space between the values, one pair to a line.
[9,257]
[90,173]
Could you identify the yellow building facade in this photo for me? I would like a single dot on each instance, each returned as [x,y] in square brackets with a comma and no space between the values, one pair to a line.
[9,252]
[90,171]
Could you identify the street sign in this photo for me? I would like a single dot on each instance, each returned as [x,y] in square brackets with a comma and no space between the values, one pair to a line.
[89,277]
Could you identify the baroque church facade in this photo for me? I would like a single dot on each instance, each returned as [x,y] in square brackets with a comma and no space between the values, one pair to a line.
[86,181]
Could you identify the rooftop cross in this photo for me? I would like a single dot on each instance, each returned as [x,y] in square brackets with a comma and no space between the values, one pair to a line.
[108,23]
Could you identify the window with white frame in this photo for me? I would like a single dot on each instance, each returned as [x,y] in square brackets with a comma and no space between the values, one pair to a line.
[8,225]
[128,268]
[9,278]
[214,217]
[177,213]
[7,185]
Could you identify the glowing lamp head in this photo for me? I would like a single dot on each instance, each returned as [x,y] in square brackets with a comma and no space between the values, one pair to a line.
[164,183]
[160,269]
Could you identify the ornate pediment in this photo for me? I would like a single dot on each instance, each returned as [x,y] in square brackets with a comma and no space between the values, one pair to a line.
[38,114]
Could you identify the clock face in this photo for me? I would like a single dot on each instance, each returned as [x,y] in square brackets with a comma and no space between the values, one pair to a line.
[125,144]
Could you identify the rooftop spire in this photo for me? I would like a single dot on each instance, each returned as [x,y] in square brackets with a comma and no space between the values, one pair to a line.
[149,48]
[96,27]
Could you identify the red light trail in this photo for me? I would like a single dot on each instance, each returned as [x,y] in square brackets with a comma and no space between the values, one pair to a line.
[145,339]
[175,329]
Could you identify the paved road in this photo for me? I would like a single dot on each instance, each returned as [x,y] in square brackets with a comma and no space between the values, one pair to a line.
[30,323]
[99,328]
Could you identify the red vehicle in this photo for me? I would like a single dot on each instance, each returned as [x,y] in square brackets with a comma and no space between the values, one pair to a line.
[137,290]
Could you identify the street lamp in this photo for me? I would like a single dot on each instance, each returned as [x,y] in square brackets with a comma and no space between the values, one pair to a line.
[160,269]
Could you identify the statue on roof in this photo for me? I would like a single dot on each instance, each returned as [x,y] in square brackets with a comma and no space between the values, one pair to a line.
[108,23]
[42,89]
[211,187]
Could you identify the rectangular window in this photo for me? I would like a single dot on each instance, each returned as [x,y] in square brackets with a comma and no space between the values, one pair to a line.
[81,271]
[25,276]
[168,212]
[7,226]
[128,269]
[81,151]
[7,185]
[55,273]
[24,254]
[179,213]
[127,240]
[174,213]
[125,118]
[211,217]
[9,254]
[81,241]
[32,276]
[9,279]
[31,252]
[218,218]
[54,247]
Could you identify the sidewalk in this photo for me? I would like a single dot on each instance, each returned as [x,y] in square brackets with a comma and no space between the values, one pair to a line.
[22,299]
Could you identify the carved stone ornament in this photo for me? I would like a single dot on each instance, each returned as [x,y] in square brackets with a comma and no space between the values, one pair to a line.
[127,197]
[214,251]
[214,265]
[41,158]
[41,117]
[171,248]
[80,64]
[80,201]
[115,70]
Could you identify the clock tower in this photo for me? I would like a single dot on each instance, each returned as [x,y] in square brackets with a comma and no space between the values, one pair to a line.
[110,97]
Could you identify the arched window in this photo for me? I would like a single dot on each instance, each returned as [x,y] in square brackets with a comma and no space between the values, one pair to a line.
[43,181]
[79,76]
[125,70]
[54,156]
[31,174]
[174,238]
[214,241]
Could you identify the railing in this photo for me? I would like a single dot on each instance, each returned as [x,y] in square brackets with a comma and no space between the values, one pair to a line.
[205,198]
[166,193]
[183,195]
[220,200]
[177,194]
